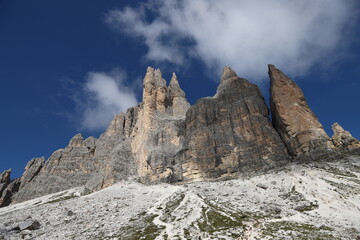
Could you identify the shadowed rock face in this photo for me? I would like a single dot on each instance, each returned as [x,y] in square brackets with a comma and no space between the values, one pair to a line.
[7,188]
[4,180]
[230,133]
[292,118]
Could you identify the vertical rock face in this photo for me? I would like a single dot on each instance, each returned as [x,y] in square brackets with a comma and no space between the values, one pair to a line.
[7,195]
[343,139]
[230,133]
[4,182]
[4,179]
[158,132]
[32,168]
[7,188]
[292,118]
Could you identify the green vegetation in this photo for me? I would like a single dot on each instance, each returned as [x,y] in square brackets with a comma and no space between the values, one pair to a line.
[297,231]
[64,198]
[218,219]
[307,208]
[170,206]
[213,220]
[86,192]
[337,171]
[142,228]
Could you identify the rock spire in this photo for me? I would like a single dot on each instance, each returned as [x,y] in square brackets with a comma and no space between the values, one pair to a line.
[292,118]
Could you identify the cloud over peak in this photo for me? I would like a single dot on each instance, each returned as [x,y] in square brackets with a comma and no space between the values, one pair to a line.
[103,96]
[246,35]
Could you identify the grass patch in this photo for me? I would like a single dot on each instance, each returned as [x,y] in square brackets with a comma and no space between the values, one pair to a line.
[215,218]
[63,198]
[293,230]
[142,228]
[213,221]
[170,206]
[338,172]
[307,207]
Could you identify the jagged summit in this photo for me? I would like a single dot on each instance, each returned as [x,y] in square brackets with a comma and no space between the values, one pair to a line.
[164,139]
[343,139]
[228,73]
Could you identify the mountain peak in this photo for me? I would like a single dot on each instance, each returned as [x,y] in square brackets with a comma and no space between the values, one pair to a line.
[227,73]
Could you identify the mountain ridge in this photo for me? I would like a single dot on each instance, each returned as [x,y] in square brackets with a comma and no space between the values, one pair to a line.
[164,139]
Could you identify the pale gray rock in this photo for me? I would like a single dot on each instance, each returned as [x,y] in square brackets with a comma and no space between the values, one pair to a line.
[4,180]
[32,168]
[29,224]
[81,163]
[7,194]
[157,134]
[95,183]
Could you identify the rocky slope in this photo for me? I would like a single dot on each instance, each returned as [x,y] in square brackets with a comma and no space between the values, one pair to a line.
[164,139]
[319,200]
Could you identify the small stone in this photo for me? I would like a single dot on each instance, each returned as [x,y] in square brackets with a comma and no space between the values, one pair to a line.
[13,227]
[3,231]
[260,185]
[29,224]
[25,233]
[70,213]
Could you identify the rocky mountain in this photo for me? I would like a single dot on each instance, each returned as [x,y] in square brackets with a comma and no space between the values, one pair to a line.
[164,139]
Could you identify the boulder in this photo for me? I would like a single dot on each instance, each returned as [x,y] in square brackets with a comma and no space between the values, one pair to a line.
[29,224]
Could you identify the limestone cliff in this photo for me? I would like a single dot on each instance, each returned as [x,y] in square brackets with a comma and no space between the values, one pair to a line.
[158,132]
[164,139]
[230,133]
[292,118]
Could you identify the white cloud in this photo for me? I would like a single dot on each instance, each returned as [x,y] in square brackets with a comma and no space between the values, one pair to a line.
[103,96]
[244,34]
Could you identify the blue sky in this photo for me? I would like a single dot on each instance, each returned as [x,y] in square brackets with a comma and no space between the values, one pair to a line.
[68,66]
